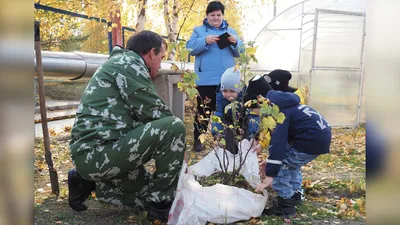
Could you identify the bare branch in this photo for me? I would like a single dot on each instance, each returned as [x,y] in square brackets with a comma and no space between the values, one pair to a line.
[184,19]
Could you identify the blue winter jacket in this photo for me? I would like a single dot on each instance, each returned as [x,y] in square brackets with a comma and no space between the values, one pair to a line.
[222,103]
[211,62]
[304,129]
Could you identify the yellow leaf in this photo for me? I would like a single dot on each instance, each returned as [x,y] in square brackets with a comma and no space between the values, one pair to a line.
[314,213]
[216,119]
[268,123]
[280,118]
[157,222]
[330,164]
[52,132]
[202,138]
[67,128]
[174,67]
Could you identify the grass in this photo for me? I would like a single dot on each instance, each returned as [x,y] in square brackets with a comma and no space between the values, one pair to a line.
[334,186]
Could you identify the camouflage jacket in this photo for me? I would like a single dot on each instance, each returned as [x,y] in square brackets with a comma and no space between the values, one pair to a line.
[119,97]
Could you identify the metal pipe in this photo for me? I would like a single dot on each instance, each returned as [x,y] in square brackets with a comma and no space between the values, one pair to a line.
[82,65]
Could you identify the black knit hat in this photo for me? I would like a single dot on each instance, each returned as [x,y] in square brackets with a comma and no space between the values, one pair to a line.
[279,80]
[257,86]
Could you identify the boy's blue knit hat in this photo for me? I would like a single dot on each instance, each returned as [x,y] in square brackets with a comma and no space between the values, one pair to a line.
[230,80]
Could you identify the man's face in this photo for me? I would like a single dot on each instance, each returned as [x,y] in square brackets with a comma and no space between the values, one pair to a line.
[155,61]
[215,18]
[229,95]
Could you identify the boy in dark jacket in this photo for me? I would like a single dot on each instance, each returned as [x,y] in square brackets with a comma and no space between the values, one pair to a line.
[302,137]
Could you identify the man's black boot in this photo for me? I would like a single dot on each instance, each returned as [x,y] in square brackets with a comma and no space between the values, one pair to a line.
[283,208]
[79,190]
[158,211]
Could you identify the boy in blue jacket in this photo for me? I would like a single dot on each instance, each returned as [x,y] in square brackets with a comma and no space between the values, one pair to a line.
[302,137]
[228,92]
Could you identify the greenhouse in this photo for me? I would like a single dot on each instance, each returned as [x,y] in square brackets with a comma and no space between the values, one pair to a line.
[322,43]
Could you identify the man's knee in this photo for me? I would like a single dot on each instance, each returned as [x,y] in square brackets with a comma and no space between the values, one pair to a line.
[177,124]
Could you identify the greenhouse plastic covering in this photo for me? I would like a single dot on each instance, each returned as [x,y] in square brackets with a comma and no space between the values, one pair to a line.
[321,42]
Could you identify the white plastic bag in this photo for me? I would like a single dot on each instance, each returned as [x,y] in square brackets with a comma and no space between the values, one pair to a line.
[195,205]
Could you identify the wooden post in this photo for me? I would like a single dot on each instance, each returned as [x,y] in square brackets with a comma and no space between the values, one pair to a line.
[55,188]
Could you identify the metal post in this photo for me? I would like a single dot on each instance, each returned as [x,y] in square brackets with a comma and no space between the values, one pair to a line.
[301,37]
[123,37]
[313,55]
[55,188]
[110,44]
[314,39]
[361,80]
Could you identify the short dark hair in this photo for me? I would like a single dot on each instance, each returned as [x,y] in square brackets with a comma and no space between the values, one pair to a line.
[215,6]
[144,41]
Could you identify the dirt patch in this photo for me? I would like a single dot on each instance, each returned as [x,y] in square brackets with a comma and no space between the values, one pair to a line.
[218,178]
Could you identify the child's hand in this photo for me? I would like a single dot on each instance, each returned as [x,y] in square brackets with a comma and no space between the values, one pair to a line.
[261,164]
[257,149]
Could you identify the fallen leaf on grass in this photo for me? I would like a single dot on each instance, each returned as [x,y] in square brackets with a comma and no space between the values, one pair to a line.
[52,132]
[253,221]
[67,128]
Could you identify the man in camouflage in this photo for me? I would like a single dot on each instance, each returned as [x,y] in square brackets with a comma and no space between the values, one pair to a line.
[121,123]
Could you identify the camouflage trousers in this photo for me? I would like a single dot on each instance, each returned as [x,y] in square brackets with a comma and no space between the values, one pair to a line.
[117,167]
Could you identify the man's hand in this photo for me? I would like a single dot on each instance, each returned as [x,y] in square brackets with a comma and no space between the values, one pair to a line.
[232,39]
[212,39]
[266,182]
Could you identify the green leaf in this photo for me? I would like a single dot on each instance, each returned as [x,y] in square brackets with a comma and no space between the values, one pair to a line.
[183,55]
[171,46]
[265,109]
[275,111]
[181,86]
[192,92]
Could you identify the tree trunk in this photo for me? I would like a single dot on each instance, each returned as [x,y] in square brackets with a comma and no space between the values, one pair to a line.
[141,19]
[171,25]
